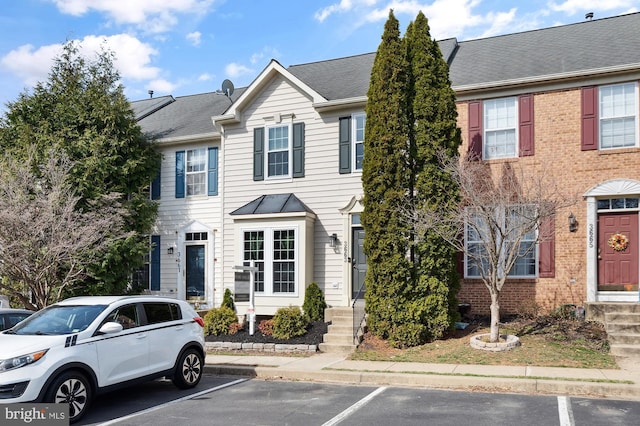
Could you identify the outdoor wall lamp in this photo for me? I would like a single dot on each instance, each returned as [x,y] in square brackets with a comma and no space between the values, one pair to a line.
[333,240]
[573,223]
[170,250]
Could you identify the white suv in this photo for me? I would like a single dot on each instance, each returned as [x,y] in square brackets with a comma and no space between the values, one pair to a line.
[80,347]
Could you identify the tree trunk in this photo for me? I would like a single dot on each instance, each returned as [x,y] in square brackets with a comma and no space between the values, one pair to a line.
[494,335]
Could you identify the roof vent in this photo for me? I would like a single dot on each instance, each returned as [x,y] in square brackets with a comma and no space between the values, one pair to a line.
[589,16]
[150,93]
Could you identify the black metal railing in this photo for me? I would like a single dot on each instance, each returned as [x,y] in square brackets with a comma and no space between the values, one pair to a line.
[359,315]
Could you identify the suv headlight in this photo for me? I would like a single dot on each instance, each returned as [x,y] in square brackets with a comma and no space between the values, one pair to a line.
[20,361]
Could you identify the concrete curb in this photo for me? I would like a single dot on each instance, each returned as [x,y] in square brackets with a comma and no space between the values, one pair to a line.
[522,384]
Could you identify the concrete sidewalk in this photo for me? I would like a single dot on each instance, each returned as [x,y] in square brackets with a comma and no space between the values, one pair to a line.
[336,368]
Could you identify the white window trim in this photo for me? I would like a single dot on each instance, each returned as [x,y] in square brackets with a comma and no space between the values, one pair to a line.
[268,258]
[289,174]
[515,126]
[187,173]
[509,277]
[636,116]
[354,140]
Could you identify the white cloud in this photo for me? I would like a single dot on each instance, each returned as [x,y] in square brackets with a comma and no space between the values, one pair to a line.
[235,70]
[161,86]
[194,38]
[132,58]
[29,64]
[266,51]
[571,7]
[343,6]
[150,15]
[205,77]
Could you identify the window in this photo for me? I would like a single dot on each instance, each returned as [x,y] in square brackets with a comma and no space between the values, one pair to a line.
[510,234]
[617,112]
[501,128]
[359,121]
[278,151]
[618,203]
[275,257]
[161,312]
[197,172]
[500,124]
[351,143]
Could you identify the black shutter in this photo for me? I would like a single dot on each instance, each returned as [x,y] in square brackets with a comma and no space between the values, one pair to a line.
[345,145]
[258,153]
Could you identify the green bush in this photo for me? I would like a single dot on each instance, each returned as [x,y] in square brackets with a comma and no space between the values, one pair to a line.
[314,303]
[227,300]
[218,320]
[289,322]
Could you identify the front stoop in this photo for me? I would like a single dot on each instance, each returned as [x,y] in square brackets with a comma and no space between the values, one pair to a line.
[622,323]
[339,337]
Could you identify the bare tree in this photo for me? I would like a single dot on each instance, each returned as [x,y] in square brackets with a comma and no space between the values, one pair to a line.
[46,242]
[501,216]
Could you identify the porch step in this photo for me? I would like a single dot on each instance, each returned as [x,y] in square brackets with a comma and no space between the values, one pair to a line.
[339,337]
[622,323]
[624,339]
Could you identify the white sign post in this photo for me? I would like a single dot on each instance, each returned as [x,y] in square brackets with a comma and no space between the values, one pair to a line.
[252,269]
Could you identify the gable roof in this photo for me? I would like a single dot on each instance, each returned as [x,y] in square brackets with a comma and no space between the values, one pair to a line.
[580,50]
[185,117]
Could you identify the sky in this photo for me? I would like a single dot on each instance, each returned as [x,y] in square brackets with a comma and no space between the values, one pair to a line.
[185,47]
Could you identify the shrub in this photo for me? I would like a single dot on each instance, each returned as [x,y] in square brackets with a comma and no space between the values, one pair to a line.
[314,303]
[289,322]
[218,320]
[227,300]
[235,327]
[266,327]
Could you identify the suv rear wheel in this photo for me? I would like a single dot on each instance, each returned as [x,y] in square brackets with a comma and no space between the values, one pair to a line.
[188,369]
[73,388]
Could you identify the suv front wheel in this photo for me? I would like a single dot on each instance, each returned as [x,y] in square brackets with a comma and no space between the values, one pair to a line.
[189,369]
[72,388]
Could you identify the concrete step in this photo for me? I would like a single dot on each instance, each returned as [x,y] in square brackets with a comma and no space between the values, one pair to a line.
[336,348]
[597,310]
[624,339]
[626,317]
[341,339]
[342,320]
[625,350]
[622,328]
[340,329]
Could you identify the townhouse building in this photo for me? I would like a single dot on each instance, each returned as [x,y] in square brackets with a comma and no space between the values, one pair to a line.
[271,174]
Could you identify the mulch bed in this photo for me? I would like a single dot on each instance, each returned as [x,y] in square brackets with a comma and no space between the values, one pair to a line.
[313,336]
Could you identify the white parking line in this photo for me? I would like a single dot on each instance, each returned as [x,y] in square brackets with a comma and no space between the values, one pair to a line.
[355,407]
[185,398]
[565,412]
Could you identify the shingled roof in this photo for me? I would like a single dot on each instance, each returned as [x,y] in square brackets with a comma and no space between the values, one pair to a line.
[583,49]
[185,116]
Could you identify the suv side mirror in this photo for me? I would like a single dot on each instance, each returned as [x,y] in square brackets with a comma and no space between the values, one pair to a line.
[110,328]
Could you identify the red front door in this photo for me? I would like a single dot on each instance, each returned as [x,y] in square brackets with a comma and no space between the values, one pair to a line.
[618,268]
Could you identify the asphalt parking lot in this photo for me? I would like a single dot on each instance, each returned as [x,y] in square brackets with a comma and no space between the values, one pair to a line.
[238,401]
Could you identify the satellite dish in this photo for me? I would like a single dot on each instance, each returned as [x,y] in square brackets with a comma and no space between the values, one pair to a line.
[227,88]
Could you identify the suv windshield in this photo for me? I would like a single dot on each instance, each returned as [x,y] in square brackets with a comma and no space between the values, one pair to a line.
[59,319]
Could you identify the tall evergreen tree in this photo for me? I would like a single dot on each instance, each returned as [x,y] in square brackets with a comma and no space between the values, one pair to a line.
[411,120]
[434,134]
[82,111]
[384,181]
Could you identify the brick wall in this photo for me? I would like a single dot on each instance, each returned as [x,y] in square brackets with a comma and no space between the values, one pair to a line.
[559,157]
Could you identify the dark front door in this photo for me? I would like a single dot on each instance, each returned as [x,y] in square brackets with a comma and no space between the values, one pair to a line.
[618,251]
[195,271]
[358,263]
